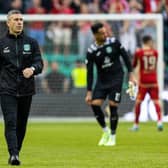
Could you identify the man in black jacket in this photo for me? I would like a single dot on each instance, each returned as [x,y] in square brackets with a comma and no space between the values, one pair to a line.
[20,60]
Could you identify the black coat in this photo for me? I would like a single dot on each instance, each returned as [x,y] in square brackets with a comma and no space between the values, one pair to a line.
[16,54]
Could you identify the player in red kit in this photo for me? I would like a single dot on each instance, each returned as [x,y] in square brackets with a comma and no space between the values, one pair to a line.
[147,58]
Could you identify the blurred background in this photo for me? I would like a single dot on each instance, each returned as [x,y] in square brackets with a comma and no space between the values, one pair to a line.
[61,87]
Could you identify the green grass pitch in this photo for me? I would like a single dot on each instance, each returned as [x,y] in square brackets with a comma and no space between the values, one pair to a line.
[74,145]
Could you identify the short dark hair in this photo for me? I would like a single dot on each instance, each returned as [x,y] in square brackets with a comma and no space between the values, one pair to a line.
[13,11]
[95,27]
[146,39]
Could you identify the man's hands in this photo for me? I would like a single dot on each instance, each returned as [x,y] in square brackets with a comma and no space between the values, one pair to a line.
[132,87]
[28,72]
[88,98]
[132,90]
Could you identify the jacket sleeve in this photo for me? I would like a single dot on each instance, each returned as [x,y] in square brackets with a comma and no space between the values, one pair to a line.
[125,57]
[37,62]
[135,59]
[89,66]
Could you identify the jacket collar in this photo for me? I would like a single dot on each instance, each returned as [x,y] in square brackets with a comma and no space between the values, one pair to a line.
[13,36]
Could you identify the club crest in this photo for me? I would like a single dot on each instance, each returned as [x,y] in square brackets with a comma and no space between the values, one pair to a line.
[26,47]
[109,50]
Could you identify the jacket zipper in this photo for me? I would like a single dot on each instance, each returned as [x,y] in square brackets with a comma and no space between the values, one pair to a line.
[17,62]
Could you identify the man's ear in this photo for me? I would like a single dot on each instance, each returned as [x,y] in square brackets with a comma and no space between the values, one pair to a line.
[7,23]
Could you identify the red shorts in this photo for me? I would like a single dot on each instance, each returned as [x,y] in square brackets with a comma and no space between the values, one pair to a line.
[152,91]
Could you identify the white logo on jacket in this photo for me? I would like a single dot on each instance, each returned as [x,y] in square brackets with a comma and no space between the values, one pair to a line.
[28,52]
[6,50]
[26,47]
[98,53]
[107,62]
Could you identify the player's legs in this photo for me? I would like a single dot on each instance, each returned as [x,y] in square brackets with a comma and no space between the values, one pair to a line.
[137,114]
[154,93]
[24,104]
[140,97]
[113,116]
[9,109]
[96,107]
[98,98]
[158,110]
[113,123]
[159,115]
[114,100]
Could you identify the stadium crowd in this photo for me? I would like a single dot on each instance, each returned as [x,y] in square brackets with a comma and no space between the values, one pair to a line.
[66,42]
[94,6]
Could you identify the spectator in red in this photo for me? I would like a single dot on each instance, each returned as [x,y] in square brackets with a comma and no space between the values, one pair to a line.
[61,31]
[116,6]
[65,7]
[85,36]
[152,6]
[56,6]
[36,29]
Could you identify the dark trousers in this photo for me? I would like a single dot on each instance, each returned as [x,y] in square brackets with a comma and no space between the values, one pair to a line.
[15,112]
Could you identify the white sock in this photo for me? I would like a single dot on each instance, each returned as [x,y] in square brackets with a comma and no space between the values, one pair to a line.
[105,129]
[135,125]
[159,122]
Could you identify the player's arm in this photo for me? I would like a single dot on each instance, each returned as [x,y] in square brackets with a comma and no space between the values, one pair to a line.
[135,59]
[37,63]
[89,66]
[125,57]
[127,62]
[137,63]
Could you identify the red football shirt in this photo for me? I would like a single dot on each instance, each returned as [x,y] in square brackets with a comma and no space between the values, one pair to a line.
[147,59]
